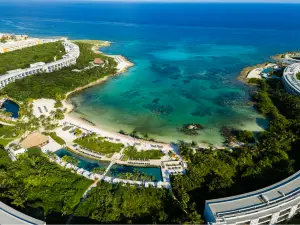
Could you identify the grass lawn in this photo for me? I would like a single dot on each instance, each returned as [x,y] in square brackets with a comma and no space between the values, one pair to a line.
[5,141]
[6,131]
[56,138]
[132,153]
[99,145]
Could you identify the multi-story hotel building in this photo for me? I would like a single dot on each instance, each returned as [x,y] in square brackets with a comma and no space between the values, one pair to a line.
[15,45]
[72,53]
[9,215]
[270,205]
[290,80]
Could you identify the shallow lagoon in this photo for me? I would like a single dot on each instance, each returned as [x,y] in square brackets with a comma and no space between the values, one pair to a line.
[187,58]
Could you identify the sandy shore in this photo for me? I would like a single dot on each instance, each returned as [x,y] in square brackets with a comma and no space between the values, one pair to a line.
[142,144]
[123,65]
[247,70]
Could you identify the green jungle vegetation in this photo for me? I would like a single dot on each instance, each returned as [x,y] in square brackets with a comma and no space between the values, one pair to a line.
[98,144]
[7,131]
[22,58]
[44,190]
[108,203]
[132,153]
[5,141]
[60,82]
[32,182]
[275,156]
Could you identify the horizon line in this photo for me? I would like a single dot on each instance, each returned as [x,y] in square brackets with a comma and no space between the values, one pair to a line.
[161,1]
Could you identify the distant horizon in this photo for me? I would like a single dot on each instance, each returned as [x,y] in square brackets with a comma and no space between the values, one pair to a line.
[161,1]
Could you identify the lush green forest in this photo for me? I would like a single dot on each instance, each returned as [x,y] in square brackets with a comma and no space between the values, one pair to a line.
[22,58]
[49,85]
[34,182]
[213,174]
[132,153]
[117,204]
[99,145]
[46,191]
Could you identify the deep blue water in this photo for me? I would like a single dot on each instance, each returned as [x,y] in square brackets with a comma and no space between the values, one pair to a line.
[187,58]
[11,107]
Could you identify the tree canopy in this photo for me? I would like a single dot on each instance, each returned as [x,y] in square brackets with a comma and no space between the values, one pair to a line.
[20,59]
[60,82]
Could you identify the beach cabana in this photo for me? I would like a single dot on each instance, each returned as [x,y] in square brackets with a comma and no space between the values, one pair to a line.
[86,173]
[159,184]
[35,140]
[68,165]
[116,181]
[80,171]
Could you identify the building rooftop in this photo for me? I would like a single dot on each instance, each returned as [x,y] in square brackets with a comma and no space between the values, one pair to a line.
[9,215]
[290,75]
[98,61]
[255,201]
[34,139]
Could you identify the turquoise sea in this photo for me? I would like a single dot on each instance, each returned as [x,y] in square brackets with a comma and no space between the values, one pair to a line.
[186,56]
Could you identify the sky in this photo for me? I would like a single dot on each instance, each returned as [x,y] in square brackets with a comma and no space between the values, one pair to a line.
[223,1]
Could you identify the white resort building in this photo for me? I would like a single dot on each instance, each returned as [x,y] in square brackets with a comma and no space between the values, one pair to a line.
[72,53]
[270,205]
[16,45]
[290,80]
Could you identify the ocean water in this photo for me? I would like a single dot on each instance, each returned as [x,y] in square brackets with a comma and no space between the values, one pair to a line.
[186,56]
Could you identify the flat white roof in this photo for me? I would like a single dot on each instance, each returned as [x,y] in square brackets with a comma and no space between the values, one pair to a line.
[9,215]
[276,194]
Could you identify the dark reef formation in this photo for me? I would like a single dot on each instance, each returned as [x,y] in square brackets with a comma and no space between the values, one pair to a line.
[191,129]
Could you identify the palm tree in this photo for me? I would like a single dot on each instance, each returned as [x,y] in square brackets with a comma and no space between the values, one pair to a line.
[51,155]
[93,135]
[146,136]
[134,134]
[128,176]
[151,178]
[77,132]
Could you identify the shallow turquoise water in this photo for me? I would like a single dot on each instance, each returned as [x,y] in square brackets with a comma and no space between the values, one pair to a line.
[85,163]
[173,85]
[187,58]
[89,164]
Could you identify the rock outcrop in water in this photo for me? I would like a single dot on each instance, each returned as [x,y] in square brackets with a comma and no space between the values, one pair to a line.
[191,129]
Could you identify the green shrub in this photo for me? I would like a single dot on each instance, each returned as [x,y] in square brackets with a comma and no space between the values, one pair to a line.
[245,136]
[34,151]
[99,145]
[132,153]
[56,138]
